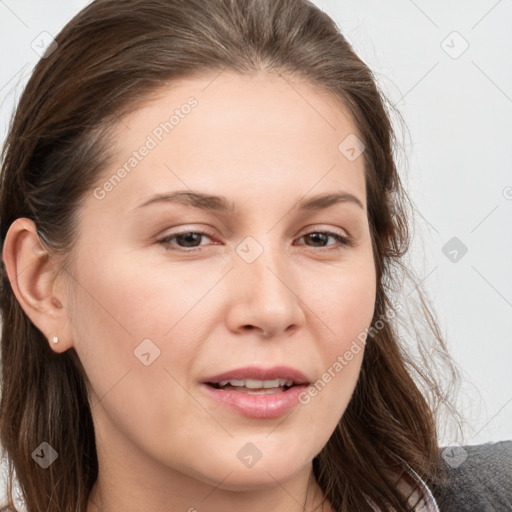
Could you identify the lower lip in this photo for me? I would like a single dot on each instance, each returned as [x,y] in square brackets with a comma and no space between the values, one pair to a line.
[257,405]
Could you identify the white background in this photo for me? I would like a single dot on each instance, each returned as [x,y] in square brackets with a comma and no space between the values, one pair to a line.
[458,110]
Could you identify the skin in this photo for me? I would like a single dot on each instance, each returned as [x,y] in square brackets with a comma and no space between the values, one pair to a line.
[300,303]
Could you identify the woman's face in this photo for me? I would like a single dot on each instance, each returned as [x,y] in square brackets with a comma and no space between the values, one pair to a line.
[269,294]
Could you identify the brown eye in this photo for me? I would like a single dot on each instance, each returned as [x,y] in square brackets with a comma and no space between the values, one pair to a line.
[184,240]
[320,239]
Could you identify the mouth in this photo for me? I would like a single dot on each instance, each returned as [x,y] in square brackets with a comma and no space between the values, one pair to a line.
[257,392]
[253,386]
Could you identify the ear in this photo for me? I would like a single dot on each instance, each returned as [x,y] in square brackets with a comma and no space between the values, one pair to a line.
[33,277]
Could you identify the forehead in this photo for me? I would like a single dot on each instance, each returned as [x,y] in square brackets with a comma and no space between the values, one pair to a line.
[236,135]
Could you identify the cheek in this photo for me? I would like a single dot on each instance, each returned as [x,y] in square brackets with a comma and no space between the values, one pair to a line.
[124,322]
[348,303]
[129,331]
[347,306]
[125,298]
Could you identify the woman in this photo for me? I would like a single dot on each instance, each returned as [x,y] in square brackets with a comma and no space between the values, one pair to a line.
[203,229]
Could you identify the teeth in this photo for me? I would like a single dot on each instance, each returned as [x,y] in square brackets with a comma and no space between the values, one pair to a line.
[257,384]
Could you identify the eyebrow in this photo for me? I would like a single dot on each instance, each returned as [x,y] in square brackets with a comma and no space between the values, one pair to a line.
[223,205]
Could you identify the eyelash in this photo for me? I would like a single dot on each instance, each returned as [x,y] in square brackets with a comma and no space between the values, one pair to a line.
[345,241]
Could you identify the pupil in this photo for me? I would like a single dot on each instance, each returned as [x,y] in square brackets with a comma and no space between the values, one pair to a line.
[316,236]
[188,236]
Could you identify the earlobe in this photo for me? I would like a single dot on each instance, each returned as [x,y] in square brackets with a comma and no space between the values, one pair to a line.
[31,272]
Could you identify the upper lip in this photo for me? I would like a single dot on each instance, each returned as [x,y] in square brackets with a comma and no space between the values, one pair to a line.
[258,373]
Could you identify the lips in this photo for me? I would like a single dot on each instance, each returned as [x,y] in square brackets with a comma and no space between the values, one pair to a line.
[257,392]
[253,374]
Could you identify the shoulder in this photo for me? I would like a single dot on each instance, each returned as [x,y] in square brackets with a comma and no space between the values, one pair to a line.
[479,478]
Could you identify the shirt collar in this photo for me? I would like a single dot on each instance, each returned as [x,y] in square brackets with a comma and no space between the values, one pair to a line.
[420,497]
[427,502]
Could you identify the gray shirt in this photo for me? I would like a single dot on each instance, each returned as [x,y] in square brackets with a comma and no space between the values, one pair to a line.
[479,479]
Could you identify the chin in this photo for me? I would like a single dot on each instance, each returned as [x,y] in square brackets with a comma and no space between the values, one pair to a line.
[237,474]
[261,476]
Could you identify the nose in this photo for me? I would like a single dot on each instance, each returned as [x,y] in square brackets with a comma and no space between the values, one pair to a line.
[264,296]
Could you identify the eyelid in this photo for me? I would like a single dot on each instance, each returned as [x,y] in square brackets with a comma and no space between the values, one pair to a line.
[314,228]
[319,228]
[346,240]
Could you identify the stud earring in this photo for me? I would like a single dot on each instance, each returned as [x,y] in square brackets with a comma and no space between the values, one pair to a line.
[55,339]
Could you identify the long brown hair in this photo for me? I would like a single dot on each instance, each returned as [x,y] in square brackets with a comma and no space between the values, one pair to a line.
[109,58]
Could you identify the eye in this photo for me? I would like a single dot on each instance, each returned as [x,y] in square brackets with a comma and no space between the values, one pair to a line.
[188,238]
[188,241]
[322,236]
